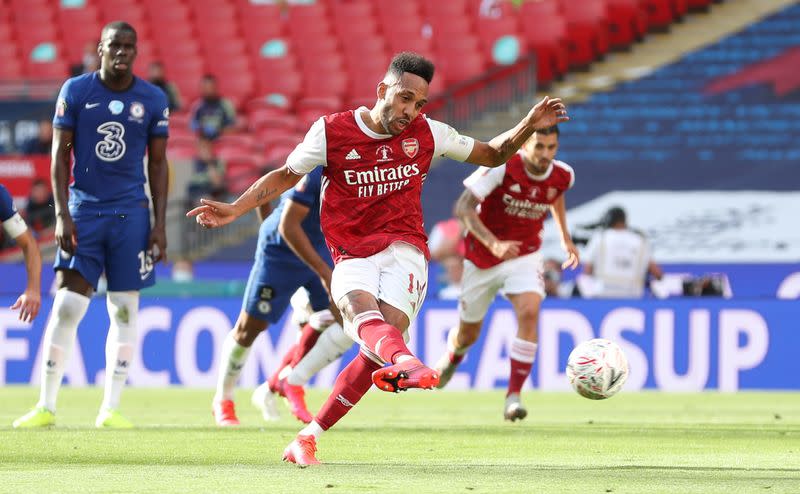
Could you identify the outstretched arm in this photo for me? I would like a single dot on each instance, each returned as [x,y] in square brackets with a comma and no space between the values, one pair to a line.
[213,214]
[559,211]
[468,215]
[546,113]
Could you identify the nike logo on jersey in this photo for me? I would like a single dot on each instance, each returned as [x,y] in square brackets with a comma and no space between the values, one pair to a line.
[89,106]
[352,155]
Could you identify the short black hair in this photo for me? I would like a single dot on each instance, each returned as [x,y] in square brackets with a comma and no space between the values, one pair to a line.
[549,130]
[118,26]
[614,216]
[413,63]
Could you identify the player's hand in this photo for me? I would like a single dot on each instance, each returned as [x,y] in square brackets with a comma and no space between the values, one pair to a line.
[547,112]
[573,256]
[213,214]
[66,237]
[505,249]
[28,304]
[158,244]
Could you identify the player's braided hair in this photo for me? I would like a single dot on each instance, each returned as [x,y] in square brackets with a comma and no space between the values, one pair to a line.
[413,63]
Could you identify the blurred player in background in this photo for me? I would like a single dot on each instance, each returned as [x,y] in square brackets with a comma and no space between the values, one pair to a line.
[503,210]
[109,119]
[375,163]
[14,226]
[617,260]
[277,273]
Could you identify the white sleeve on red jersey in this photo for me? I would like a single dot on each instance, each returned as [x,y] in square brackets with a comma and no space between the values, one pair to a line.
[484,180]
[310,153]
[448,142]
[569,169]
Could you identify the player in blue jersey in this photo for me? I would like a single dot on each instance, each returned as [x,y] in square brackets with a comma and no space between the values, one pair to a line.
[108,120]
[290,235]
[14,226]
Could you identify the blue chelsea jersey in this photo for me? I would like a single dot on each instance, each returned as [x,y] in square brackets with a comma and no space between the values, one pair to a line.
[7,209]
[270,242]
[111,133]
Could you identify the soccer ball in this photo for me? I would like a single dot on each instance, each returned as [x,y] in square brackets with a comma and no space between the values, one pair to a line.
[597,369]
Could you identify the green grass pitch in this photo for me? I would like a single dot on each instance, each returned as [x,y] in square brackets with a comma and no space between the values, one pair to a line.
[415,442]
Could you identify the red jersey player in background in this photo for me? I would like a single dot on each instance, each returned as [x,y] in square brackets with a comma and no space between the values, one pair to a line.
[375,163]
[503,210]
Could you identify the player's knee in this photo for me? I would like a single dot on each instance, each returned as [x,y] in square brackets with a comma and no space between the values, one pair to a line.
[528,315]
[66,313]
[247,330]
[123,307]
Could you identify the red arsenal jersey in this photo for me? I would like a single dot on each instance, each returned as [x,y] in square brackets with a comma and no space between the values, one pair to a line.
[514,205]
[372,183]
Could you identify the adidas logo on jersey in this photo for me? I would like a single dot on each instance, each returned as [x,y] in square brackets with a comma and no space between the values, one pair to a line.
[515,188]
[352,155]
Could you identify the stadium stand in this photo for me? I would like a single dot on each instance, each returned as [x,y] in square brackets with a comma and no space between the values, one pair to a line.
[319,49]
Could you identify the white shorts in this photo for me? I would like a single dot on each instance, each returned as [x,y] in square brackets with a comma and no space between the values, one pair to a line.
[480,286]
[398,275]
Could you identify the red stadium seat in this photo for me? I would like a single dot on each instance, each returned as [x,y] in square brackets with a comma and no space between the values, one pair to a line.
[545,32]
[587,30]
[627,22]
[56,70]
[272,138]
[468,66]
[287,83]
[661,13]
[333,84]
[319,106]
[450,9]
[238,141]
[132,13]
[260,121]
[700,4]
[329,63]
[11,67]
[492,29]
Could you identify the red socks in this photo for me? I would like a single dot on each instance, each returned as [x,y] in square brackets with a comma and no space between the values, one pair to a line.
[308,338]
[519,372]
[522,355]
[455,358]
[353,382]
[287,359]
[383,339]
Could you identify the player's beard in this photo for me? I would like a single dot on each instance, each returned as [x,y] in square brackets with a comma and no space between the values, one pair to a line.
[386,121]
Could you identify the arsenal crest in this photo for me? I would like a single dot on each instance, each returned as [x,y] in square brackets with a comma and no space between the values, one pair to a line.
[410,147]
[552,192]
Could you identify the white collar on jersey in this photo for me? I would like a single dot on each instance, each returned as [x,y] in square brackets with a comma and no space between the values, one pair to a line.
[363,126]
[539,178]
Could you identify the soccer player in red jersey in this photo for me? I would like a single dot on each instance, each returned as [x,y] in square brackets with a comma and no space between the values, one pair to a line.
[375,163]
[502,252]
